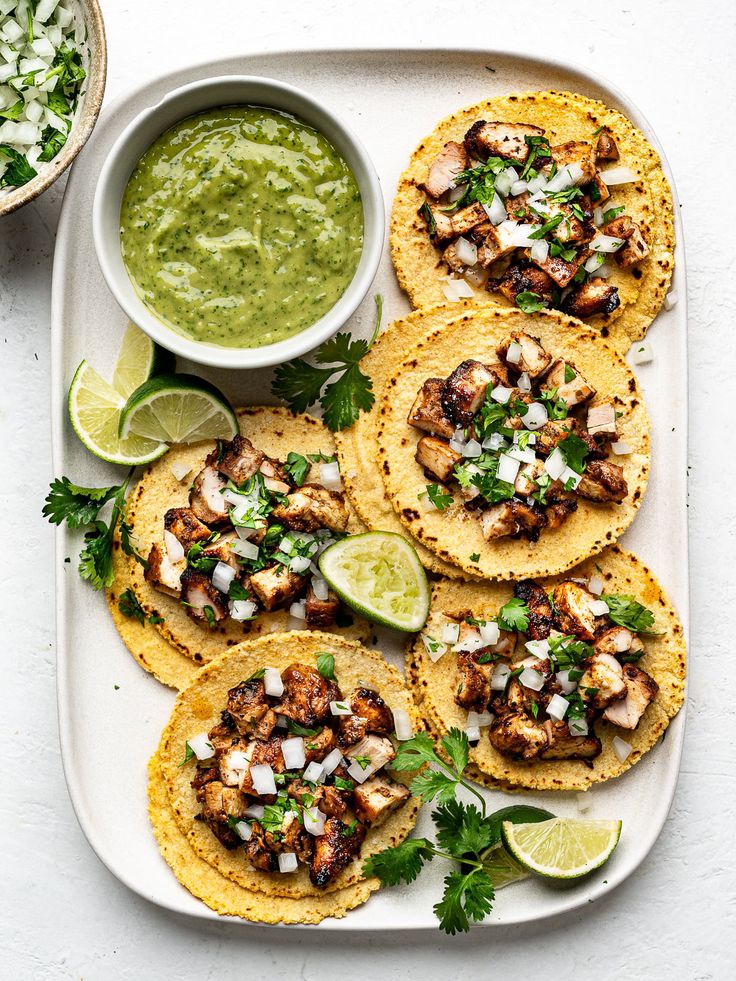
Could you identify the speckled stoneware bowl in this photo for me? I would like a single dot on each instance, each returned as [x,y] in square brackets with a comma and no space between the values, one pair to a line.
[94,55]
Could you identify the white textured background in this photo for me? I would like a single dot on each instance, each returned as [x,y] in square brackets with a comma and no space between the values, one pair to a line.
[62,914]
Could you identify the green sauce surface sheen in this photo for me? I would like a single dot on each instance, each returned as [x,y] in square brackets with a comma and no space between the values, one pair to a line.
[241,226]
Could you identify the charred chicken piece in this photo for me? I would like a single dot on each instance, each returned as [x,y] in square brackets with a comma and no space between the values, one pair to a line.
[230,762]
[572,613]
[330,800]
[533,360]
[602,681]
[618,640]
[641,690]
[205,497]
[239,460]
[436,457]
[601,419]
[275,476]
[258,852]
[263,752]
[378,797]
[635,248]
[603,481]
[307,695]
[575,152]
[427,412]
[564,746]
[594,297]
[317,747]
[552,433]
[311,507]
[449,162]
[218,805]
[499,139]
[221,549]
[378,749]
[319,612]
[439,224]
[518,736]
[247,706]
[525,277]
[370,714]
[513,517]
[334,850]
[474,689]
[558,512]
[276,586]
[162,572]
[540,608]
[465,390]
[199,595]
[525,484]
[605,148]
[498,241]
[561,271]
[574,392]
[186,527]
[466,219]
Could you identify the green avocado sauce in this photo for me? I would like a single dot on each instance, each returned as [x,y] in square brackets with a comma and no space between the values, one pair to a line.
[241,226]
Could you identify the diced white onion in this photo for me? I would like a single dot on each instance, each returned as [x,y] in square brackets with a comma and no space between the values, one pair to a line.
[314,773]
[402,724]
[557,707]
[604,243]
[298,610]
[262,777]
[524,382]
[618,175]
[477,276]
[179,470]
[255,811]
[523,456]
[567,176]
[621,748]
[450,633]
[570,478]
[201,746]
[584,801]
[621,448]
[596,260]
[287,862]
[670,299]
[299,564]
[358,773]
[536,184]
[466,251]
[505,180]
[535,416]
[473,733]
[495,442]
[531,679]
[245,549]
[595,584]
[501,394]
[599,608]
[496,210]
[272,682]
[539,648]
[174,548]
[598,216]
[222,575]
[340,707]
[331,762]
[563,680]
[314,821]
[320,588]
[500,677]
[292,750]
[433,647]
[508,468]
[489,632]
[540,250]
[457,289]
[514,352]
[518,187]
[480,719]
[329,475]
[243,830]
[641,352]
[241,610]
[555,464]
[578,727]
[472,449]
[604,271]
[470,641]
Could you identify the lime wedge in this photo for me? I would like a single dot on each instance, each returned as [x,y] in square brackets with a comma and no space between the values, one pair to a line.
[379,575]
[561,848]
[178,409]
[503,868]
[139,359]
[94,411]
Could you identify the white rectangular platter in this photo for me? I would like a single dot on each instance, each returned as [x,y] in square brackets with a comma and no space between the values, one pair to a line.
[111,712]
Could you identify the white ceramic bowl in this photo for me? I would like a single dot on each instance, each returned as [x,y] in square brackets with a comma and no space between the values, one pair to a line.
[197,97]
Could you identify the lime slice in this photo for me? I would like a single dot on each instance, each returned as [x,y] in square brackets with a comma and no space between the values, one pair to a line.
[379,575]
[139,359]
[178,409]
[561,848]
[94,410]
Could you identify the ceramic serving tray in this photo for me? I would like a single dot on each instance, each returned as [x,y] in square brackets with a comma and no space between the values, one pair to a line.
[111,712]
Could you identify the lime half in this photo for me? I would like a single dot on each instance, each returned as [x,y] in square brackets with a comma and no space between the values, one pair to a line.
[139,360]
[178,409]
[94,411]
[379,575]
[562,848]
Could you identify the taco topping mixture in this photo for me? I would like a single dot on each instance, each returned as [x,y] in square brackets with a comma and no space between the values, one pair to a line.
[249,540]
[534,222]
[518,440]
[578,666]
[296,772]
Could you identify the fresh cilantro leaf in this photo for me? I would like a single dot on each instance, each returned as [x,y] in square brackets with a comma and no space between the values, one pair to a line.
[462,830]
[199,561]
[480,181]
[362,761]
[155,618]
[439,496]
[343,784]
[52,140]
[547,227]
[575,450]
[555,404]
[58,103]
[456,745]
[539,149]
[349,830]
[415,752]
[18,170]
[326,665]
[210,617]
[297,466]
[402,863]
[237,591]
[514,615]
[612,213]
[529,302]
[475,556]
[431,785]
[296,729]
[569,373]
[13,112]
[626,611]
[76,505]
[256,676]
[68,66]
[426,212]
[467,897]
[130,606]
[188,754]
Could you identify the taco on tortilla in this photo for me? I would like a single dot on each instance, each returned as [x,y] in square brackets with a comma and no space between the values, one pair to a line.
[231,532]
[560,683]
[276,768]
[538,200]
[514,446]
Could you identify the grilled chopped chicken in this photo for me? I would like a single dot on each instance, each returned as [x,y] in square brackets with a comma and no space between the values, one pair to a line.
[525,479]
[334,850]
[219,803]
[311,507]
[275,477]
[525,277]
[499,139]
[641,690]
[540,608]
[603,481]
[276,586]
[601,419]
[378,749]
[221,549]
[317,747]
[605,148]
[231,763]
[575,152]
[239,460]
[559,511]
[186,527]
[518,736]
[330,800]
[635,248]
[618,640]
[465,390]
[437,457]
[258,851]
[449,162]
[513,517]
[307,695]
[370,714]
[572,613]
[224,735]
[533,360]
[517,208]
[466,219]
[594,297]
[247,707]
[571,230]
[601,194]
[263,752]
[205,497]
[292,837]
[199,595]
[564,746]
[427,412]
[321,613]
[474,689]
[162,572]
[574,392]
[498,241]
[552,433]
[453,260]
[439,224]
[559,270]
[602,681]
[378,797]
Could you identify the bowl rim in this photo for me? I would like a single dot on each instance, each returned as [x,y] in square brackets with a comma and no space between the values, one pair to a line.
[87,121]
[202,352]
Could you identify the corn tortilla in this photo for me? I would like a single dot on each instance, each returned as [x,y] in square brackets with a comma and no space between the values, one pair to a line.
[565,116]
[664,659]
[198,709]
[455,534]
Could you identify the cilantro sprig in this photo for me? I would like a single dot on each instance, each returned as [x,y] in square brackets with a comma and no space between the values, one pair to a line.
[301,384]
[626,611]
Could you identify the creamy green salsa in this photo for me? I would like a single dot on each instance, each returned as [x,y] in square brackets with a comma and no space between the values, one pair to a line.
[241,226]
